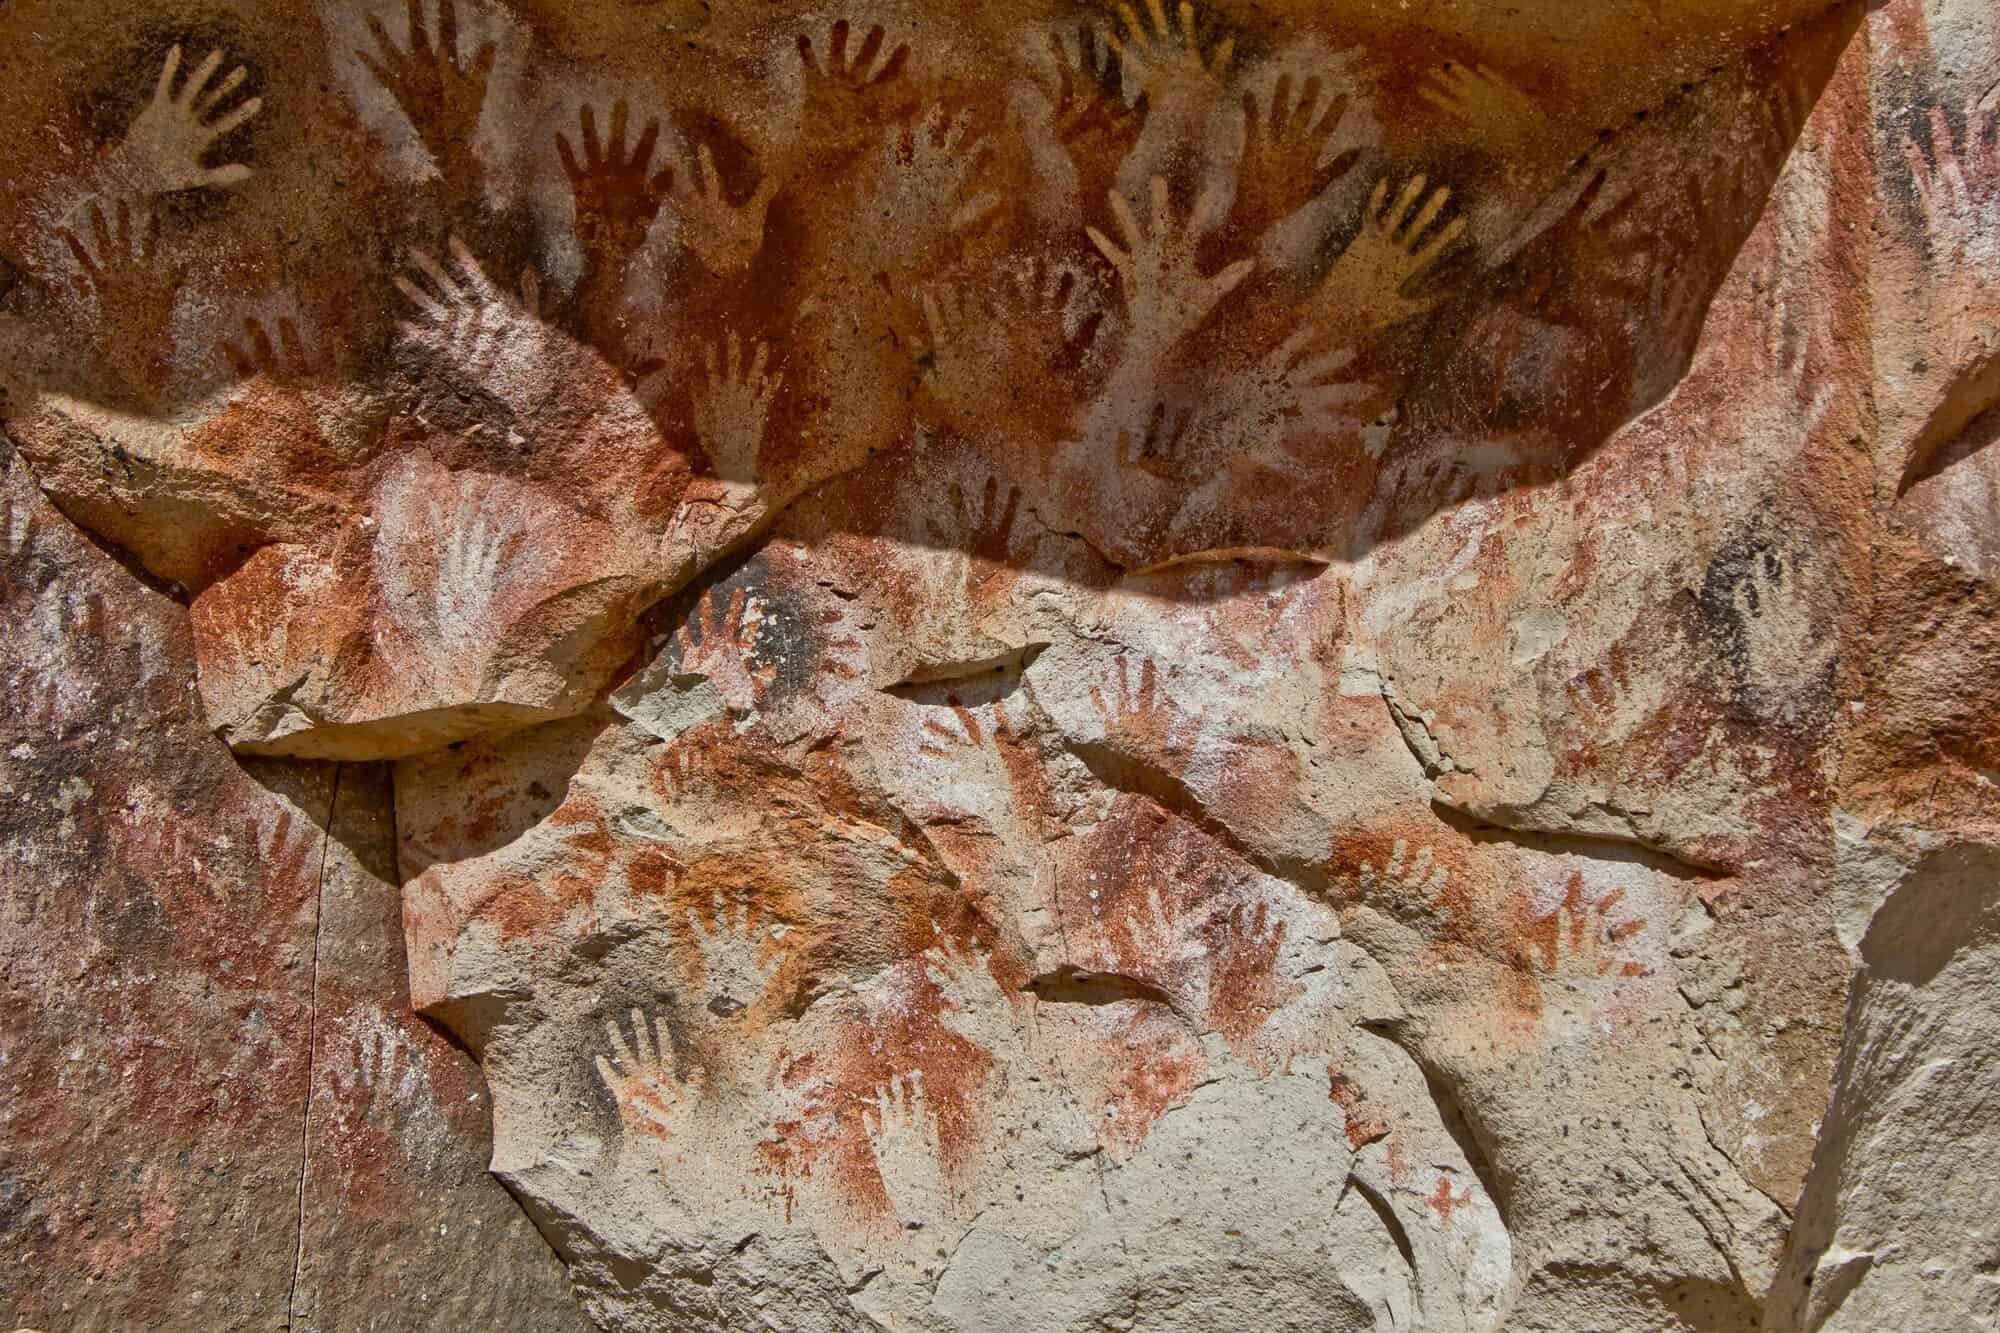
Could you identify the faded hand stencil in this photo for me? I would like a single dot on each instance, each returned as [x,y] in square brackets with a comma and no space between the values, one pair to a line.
[915,569]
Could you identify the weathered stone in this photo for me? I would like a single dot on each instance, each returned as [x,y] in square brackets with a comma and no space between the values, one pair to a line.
[1065,667]
[189,945]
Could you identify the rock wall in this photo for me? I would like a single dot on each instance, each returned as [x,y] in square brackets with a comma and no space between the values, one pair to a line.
[217,1109]
[995,667]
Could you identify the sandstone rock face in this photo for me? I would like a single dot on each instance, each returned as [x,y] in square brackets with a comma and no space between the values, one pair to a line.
[216,1107]
[1022,666]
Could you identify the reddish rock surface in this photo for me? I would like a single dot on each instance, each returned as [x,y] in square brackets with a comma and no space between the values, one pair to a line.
[219,1109]
[996,667]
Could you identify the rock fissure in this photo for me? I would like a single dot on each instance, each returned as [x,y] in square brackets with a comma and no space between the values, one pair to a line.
[312,1039]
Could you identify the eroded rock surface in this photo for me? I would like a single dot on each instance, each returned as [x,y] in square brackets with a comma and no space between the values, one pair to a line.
[217,1109]
[1028,667]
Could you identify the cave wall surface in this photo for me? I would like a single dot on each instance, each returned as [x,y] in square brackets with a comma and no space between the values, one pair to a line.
[999,666]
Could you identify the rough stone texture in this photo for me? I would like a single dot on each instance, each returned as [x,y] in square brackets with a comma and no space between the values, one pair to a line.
[185,951]
[1915,882]
[1024,666]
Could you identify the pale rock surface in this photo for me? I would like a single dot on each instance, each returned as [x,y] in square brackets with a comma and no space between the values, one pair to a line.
[1024,667]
